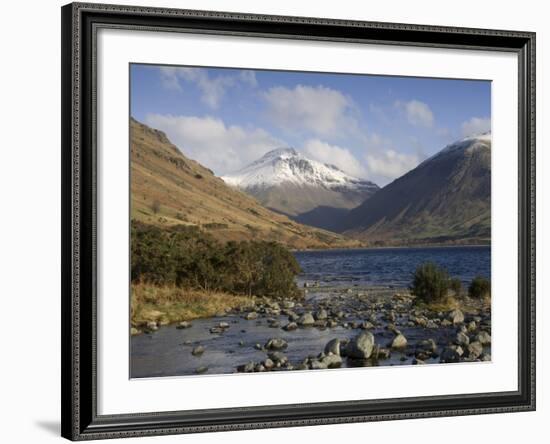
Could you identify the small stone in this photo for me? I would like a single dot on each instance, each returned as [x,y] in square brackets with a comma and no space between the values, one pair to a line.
[247,368]
[333,346]
[152,325]
[306,320]
[483,338]
[456,316]
[475,349]
[399,342]
[251,316]
[184,324]
[278,357]
[462,338]
[276,344]
[472,326]
[134,331]
[318,365]
[332,361]
[201,370]
[291,326]
[198,350]
[321,315]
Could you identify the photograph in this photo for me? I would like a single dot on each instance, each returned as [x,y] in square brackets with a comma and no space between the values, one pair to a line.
[289,220]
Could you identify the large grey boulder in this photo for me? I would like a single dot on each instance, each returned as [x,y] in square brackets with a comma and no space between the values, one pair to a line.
[361,346]
[306,320]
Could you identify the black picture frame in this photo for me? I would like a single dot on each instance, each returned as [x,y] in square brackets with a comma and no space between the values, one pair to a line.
[80,22]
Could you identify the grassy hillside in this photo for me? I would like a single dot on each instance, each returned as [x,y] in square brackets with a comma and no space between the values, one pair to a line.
[170,189]
[445,200]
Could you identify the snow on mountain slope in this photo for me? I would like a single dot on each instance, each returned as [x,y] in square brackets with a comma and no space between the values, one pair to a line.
[287,166]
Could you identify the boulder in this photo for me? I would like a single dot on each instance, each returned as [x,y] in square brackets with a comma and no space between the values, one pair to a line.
[361,346]
[290,326]
[251,316]
[475,349]
[456,316]
[184,324]
[321,315]
[333,346]
[483,338]
[462,338]
[306,320]
[276,344]
[277,357]
[317,365]
[201,370]
[399,342]
[332,360]
[198,350]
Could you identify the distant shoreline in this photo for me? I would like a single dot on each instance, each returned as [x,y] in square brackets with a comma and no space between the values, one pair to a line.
[392,247]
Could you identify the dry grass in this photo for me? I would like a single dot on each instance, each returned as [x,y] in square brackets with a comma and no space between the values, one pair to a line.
[168,188]
[169,304]
[447,304]
[462,302]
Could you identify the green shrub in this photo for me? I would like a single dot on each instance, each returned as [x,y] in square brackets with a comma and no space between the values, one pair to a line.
[430,283]
[189,258]
[455,285]
[479,287]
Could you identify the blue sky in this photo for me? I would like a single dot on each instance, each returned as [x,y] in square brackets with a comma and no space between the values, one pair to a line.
[374,127]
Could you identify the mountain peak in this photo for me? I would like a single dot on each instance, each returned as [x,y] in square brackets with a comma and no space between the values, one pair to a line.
[289,166]
[283,152]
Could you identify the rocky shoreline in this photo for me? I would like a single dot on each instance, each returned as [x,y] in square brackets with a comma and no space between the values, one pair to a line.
[365,326]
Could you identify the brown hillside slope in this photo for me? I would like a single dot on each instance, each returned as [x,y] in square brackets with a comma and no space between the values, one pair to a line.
[168,188]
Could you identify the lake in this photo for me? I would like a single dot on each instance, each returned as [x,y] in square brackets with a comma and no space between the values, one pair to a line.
[390,266]
[346,284]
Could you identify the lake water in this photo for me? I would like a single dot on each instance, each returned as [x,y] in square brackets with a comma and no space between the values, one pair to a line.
[342,276]
[390,266]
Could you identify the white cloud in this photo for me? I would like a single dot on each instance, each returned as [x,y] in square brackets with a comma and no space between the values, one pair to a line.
[318,109]
[212,88]
[418,113]
[335,155]
[476,125]
[389,164]
[248,77]
[208,140]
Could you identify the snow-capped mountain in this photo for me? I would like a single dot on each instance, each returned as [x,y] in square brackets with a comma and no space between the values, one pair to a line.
[288,166]
[287,181]
[447,198]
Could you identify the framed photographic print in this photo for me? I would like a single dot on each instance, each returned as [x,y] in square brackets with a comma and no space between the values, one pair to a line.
[278,221]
